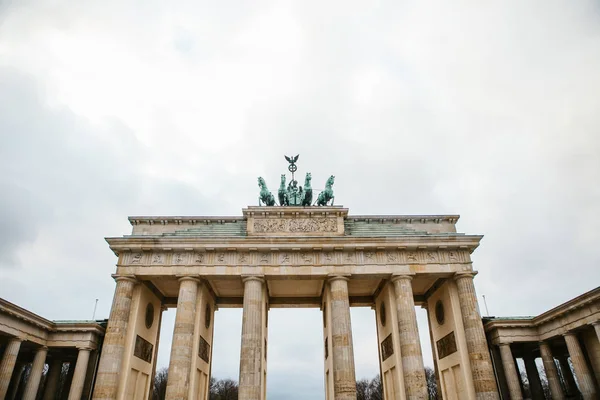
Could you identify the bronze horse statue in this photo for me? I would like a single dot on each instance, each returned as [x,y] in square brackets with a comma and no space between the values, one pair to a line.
[326,194]
[265,196]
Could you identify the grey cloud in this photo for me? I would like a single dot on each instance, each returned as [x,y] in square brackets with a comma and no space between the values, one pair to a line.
[489,111]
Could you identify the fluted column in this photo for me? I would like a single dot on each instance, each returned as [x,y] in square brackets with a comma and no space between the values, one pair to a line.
[408,336]
[482,370]
[584,378]
[52,379]
[342,351]
[16,381]
[33,382]
[81,367]
[535,385]
[180,364]
[551,372]
[510,372]
[251,348]
[111,359]
[7,365]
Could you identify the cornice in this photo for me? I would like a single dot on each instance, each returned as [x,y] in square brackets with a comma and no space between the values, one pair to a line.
[569,306]
[47,325]
[557,312]
[431,240]
[295,211]
[25,315]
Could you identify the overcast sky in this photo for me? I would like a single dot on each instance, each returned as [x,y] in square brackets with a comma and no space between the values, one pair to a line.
[115,108]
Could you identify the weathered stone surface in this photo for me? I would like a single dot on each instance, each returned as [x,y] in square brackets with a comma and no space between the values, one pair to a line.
[83,357]
[408,334]
[344,378]
[551,372]
[479,357]
[7,365]
[35,376]
[582,371]
[250,387]
[183,340]
[510,372]
[107,379]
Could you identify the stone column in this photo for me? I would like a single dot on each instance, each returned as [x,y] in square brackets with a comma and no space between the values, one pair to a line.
[510,372]
[33,383]
[251,348]
[109,368]
[53,378]
[569,381]
[551,372]
[408,336]
[180,364]
[79,375]
[342,351]
[16,381]
[7,365]
[535,385]
[482,370]
[584,378]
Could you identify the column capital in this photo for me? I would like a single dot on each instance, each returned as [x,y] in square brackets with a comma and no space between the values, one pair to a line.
[260,278]
[504,344]
[183,278]
[85,348]
[130,278]
[569,334]
[396,277]
[596,323]
[464,274]
[335,277]
[16,339]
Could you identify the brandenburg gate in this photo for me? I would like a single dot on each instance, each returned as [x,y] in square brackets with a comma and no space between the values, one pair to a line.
[295,255]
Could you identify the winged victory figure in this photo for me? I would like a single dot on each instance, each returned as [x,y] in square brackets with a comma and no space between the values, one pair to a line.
[292,160]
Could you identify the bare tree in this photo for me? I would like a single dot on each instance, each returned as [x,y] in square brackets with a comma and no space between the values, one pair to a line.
[159,390]
[376,389]
[224,389]
[432,389]
[362,390]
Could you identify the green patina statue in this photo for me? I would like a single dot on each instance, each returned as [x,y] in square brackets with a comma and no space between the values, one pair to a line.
[294,195]
[265,196]
[307,199]
[326,194]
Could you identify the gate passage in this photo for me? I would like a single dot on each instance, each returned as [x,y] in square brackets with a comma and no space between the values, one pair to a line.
[294,256]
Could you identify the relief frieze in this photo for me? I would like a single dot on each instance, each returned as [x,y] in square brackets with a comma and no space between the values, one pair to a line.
[446,345]
[199,258]
[291,257]
[143,349]
[274,225]
[387,347]
[158,258]
[285,258]
[204,350]
[179,258]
